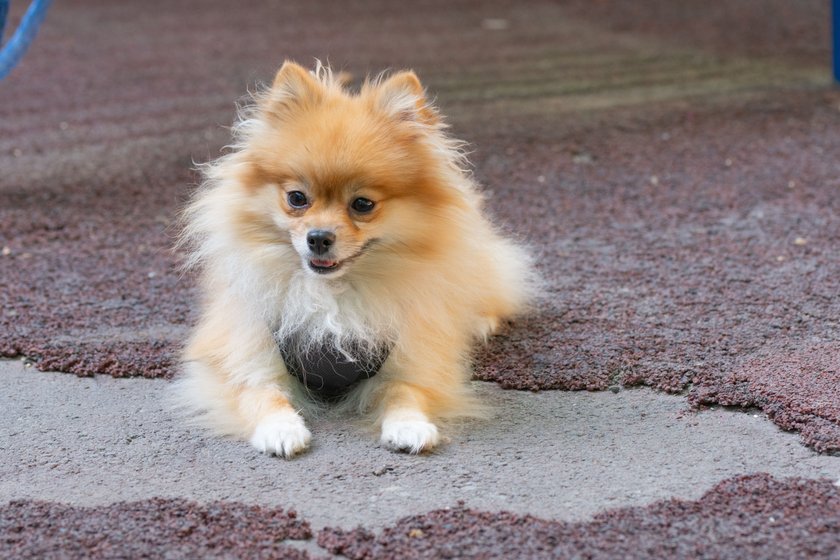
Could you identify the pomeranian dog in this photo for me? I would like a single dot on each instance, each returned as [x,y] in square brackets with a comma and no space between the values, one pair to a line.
[344,257]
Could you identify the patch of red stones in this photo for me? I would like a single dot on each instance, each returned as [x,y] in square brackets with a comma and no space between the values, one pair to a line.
[754,516]
[746,517]
[695,252]
[155,528]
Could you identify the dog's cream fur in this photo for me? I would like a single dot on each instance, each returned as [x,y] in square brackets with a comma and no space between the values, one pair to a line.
[424,273]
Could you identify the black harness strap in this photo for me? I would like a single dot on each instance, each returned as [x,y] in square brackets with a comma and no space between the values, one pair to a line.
[325,370]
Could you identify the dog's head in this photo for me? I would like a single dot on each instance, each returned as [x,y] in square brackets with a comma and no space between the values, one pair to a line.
[343,176]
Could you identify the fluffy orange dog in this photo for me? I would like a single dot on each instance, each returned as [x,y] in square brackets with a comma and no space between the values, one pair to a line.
[343,251]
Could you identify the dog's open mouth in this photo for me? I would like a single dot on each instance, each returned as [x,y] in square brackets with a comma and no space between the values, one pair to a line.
[328,266]
[324,266]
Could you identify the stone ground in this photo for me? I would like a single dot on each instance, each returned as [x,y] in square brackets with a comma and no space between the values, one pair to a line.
[674,168]
[556,455]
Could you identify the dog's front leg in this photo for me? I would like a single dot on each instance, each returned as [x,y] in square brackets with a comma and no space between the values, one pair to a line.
[263,401]
[279,429]
[235,374]
[405,423]
[425,380]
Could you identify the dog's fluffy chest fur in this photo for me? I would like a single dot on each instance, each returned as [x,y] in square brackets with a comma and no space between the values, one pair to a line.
[327,338]
[314,312]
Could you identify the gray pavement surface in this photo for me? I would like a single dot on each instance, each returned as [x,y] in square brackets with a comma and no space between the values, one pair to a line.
[557,455]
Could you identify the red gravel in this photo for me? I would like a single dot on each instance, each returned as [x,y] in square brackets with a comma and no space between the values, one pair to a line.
[796,30]
[702,280]
[155,528]
[797,389]
[680,282]
[746,517]
[752,516]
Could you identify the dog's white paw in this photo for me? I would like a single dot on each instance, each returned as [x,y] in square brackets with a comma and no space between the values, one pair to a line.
[409,431]
[283,434]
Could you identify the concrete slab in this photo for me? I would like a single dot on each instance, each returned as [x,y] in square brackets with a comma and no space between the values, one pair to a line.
[557,455]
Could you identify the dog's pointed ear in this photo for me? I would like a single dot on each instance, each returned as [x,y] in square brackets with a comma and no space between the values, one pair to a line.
[294,85]
[403,97]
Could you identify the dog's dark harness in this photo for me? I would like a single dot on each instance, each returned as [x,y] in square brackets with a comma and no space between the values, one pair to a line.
[325,370]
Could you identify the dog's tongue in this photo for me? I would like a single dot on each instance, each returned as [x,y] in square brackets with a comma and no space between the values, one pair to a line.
[323,263]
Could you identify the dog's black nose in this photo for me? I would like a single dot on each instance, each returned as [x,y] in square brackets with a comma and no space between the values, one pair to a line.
[320,240]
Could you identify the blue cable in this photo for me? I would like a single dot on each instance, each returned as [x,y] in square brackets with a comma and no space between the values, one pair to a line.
[12,51]
[4,11]
[835,31]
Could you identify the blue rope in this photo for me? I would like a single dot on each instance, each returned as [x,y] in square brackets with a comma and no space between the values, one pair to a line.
[835,18]
[4,11]
[15,47]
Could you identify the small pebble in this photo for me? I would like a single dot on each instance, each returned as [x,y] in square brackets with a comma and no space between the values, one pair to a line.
[654,180]
[615,388]
[800,241]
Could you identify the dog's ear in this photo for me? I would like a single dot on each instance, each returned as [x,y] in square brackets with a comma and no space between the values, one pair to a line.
[294,85]
[402,96]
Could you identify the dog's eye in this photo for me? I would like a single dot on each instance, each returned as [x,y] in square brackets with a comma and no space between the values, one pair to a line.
[362,205]
[297,199]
